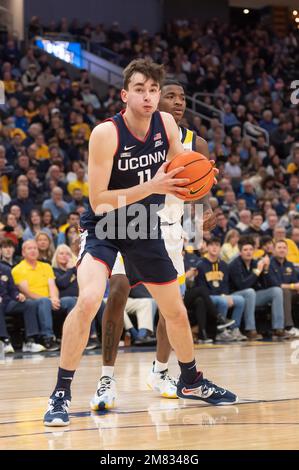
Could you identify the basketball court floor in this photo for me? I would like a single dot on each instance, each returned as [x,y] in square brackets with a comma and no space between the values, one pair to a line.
[265,375]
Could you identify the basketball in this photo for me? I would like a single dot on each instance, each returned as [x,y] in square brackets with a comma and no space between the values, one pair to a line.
[198,169]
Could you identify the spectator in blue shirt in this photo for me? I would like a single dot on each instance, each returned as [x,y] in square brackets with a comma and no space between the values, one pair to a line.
[229,118]
[222,228]
[21,122]
[56,204]
[213,274]
[267,121]
[249,195]
[284,274]
[217,142]
[250,279]
[77,200]
[22,200]
[13,302]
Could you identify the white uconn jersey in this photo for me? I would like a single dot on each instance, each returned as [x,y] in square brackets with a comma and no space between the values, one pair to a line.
[173,209]
[171,216]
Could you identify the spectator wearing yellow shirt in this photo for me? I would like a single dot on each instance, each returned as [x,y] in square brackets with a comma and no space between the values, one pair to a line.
[80,182]
[81,126]
[4,183]
[258,251]
[18,136]
[230,248]
[266,245]
[42,151]
[293,250]
[293,166]
[295,235]
[36,280]
[10,84]
[31,110]
[5,171]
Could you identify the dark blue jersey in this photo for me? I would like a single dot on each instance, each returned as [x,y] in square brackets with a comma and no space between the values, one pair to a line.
[135,162]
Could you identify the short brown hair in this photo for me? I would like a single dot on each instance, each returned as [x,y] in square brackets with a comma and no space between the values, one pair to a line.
[281,241]
[7,242]
[147,67]
[245,240]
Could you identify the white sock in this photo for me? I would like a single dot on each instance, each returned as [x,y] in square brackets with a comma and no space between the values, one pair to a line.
[108,371]
[160,366]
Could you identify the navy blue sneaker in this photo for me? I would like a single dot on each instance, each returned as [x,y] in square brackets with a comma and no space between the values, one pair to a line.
[57,412]
[206,391]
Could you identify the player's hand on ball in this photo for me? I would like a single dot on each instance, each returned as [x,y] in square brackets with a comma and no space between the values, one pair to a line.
[166,183]
[215,171]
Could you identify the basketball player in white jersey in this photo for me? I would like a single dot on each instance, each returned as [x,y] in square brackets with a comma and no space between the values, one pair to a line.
[172,101]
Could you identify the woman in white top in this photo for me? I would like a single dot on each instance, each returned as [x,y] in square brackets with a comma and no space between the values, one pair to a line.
[230,249]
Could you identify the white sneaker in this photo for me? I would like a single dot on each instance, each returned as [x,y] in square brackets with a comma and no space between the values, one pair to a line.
[162,382]
[8,347]
[105,396]
[32,347]
[294,332]
[236,333]
[226,336]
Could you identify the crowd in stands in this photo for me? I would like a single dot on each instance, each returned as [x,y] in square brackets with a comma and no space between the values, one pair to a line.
[45,124]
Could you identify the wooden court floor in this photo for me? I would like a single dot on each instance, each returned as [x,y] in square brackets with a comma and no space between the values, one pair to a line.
[264,375]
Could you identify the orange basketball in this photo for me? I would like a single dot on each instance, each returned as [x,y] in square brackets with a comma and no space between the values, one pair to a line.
[198,169]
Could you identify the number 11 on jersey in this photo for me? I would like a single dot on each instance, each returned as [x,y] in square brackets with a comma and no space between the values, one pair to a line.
[144,176]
